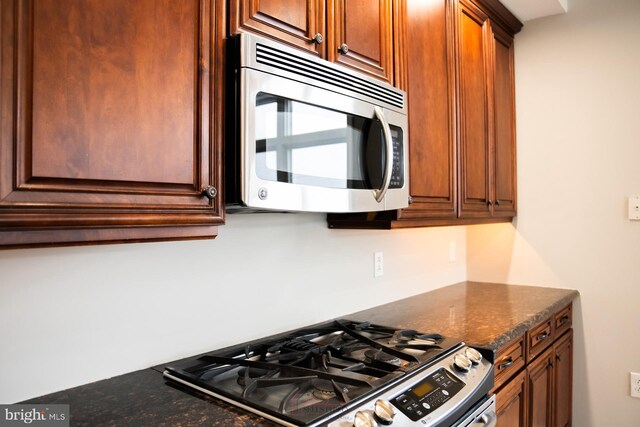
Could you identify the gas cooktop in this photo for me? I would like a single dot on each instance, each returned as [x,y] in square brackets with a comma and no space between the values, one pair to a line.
[314,375]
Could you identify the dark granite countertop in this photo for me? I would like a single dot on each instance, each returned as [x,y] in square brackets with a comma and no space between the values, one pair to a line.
[143,398]
[487,315]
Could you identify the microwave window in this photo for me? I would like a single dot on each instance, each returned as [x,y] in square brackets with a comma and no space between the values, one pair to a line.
[309,145]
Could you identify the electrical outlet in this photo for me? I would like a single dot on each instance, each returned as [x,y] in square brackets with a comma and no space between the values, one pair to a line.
[634,208]
[635,384]
[378,264]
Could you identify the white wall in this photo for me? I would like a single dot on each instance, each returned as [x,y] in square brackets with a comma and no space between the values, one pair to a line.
[578,129]
[69,316]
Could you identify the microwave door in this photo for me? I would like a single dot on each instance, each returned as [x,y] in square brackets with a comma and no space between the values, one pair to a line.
[310,149]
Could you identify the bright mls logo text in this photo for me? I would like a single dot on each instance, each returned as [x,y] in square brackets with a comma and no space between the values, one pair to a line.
[41,415]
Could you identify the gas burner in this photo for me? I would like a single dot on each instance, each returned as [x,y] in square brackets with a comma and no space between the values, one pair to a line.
[249,373]
[322,389]
[373,355]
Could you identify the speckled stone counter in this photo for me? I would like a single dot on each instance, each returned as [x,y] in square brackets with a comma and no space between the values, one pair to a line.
[143,398]
[487,315]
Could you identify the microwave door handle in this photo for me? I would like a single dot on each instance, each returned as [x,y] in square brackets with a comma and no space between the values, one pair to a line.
[379,194]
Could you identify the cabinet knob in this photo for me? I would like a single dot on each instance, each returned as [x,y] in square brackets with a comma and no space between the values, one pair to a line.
[497,202]
[210,192]
[318,38]
[343,49]
[489,202]
[410,199]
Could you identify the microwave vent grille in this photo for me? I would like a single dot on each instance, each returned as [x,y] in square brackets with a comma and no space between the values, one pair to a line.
[280,59]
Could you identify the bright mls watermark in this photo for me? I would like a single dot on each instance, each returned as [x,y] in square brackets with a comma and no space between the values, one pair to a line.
[35,415]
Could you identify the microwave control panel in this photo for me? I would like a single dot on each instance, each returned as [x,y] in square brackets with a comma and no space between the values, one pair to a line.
[397,175]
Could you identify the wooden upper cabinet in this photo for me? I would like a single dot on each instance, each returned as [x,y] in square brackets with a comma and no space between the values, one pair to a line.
[504,121]
[296,22]
[358,34]
[108,121]
[462,146]
[431,94]
[487,116]
[474,61]
[361,36]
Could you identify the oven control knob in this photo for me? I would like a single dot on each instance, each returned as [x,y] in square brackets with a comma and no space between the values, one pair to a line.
[383,412]
[462,362]
[364,419]
[473,355]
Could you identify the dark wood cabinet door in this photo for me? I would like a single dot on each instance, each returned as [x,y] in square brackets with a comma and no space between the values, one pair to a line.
[504,125]
[360,36]
[563,351]
[511,401]
[540,390]
[474,161]
[431,95]
[295,22]
[107,120]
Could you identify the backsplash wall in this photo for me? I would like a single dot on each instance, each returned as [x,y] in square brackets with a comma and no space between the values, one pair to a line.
[75,315]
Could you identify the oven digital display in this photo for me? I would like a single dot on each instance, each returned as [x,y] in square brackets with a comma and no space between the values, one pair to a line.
[423,389]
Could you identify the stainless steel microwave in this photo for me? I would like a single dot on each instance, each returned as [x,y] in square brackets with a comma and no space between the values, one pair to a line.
[304,134]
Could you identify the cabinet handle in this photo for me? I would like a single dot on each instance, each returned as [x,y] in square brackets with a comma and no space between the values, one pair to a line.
[542,336]
[318,38]
[489,202]
[410,199]
[497,202]
[564,319]
[210,192]
[508,362]
[343,49]
[558,358]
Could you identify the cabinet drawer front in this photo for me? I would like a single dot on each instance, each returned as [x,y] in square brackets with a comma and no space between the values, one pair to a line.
[539,338]
[508,361]
[563,320]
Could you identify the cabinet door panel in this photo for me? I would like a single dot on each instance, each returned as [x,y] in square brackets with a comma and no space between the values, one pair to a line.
[504,125]
[475,182]
[99,109]
[540,390]
[511,403]
[292,21]
[431,110]
[563,349]
[110,122]
[365,27]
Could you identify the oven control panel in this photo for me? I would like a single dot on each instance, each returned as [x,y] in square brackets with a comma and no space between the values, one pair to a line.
[435,396]
[429,394]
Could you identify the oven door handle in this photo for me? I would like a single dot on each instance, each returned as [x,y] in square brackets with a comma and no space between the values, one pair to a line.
[379,194]
[488,419]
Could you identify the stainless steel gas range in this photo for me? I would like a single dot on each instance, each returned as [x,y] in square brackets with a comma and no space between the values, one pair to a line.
[344,373]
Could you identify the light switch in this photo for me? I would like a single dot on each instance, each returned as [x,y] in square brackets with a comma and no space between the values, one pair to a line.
[634,208]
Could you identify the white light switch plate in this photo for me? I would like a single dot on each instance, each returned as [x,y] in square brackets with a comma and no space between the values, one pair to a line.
[634,208]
